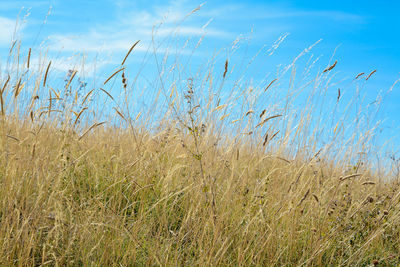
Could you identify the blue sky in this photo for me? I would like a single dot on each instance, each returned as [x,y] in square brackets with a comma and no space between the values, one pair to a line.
[361,35]
[365,31]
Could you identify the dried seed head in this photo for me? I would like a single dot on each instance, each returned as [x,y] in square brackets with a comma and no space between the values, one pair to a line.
[368,183]
[330,67]
[270,84]
[360,74]
[385,212]
[249,112]
[226,69]
[369,75]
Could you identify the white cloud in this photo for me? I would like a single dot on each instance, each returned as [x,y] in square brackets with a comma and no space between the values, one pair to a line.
[86,67]
[17,4]
[326,14]
[7,27]
[89,43]
[120,34]
[193,31]
[263,11]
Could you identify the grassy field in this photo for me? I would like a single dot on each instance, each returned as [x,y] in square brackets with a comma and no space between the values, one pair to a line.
[194,179]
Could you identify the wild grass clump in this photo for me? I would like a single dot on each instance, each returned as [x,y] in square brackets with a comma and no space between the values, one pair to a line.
[199,175]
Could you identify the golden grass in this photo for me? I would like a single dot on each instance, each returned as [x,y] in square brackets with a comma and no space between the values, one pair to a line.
[186,192]
[107,200]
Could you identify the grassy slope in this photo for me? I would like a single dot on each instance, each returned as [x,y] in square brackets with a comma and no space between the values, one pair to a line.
[182,194]
[108,199]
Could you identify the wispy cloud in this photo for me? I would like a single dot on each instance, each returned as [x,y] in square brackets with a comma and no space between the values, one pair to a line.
[91,42]
[269,11]
[7,27]
[118,35]
[326,14]
[18,4]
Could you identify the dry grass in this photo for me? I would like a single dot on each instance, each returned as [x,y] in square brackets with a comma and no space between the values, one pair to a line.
[186,190]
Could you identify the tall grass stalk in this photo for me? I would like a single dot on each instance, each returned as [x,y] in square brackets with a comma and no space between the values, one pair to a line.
[211,170]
